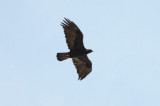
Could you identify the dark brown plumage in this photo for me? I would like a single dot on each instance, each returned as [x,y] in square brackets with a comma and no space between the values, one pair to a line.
[78,52]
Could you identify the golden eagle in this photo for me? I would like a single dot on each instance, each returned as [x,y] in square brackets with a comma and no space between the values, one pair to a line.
[78,52]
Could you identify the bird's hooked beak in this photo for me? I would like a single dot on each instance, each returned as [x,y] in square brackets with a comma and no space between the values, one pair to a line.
[89,50]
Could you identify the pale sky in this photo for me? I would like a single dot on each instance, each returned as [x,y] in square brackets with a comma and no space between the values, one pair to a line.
[125,38]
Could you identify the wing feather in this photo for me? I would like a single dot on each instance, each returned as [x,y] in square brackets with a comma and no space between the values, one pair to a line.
[83,66]
[74,37]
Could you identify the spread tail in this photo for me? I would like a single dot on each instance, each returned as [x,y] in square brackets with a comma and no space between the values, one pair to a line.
[62,56]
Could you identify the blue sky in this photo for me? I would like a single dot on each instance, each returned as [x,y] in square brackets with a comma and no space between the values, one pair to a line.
[125,38]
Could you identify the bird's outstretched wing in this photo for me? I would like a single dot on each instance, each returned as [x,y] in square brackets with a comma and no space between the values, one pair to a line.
[74,36]
[83,66]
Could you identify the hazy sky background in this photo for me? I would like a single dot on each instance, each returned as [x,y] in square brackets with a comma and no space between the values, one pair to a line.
[125,38]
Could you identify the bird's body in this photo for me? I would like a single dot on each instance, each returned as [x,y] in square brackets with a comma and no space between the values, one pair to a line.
[78,52]
[74,54]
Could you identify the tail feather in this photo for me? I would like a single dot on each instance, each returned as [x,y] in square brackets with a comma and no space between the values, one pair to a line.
[62,56]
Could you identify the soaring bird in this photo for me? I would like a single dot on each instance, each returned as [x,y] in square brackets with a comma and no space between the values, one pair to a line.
[78,53]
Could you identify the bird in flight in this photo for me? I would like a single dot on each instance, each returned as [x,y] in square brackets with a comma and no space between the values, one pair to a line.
[78,53]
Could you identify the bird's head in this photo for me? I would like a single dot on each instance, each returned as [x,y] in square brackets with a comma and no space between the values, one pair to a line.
[89,50]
